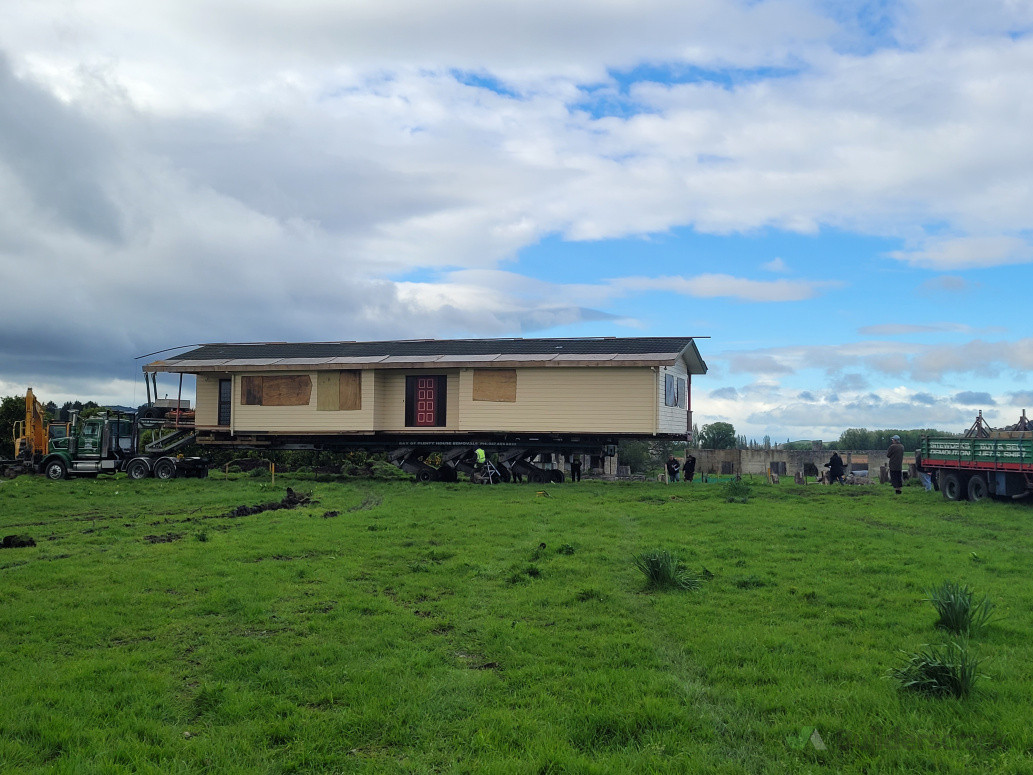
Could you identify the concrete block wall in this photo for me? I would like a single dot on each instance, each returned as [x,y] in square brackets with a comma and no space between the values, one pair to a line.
[756,462]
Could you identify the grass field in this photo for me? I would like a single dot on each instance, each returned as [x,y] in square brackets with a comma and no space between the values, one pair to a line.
[390,627]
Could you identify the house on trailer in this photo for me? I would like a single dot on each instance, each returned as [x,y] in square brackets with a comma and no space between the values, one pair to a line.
[481,391]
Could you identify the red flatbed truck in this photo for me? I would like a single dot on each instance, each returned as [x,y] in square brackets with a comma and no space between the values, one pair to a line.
[983,462]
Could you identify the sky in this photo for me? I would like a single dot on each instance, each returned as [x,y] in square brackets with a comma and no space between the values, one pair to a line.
[835,196]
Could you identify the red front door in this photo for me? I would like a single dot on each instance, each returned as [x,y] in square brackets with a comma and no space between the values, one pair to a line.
[426,400]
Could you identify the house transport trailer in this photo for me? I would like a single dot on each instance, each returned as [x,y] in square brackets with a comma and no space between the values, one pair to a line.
[982,463]
[431,403]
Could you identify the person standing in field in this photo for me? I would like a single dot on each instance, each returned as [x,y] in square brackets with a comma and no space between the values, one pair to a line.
[689,469]
[575,468]
[895,454]
[835,466]
[672,469]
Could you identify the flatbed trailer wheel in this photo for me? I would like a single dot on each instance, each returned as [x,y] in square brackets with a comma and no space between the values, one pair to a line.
[137,469]
[165,469]
[952,487]
[977,488]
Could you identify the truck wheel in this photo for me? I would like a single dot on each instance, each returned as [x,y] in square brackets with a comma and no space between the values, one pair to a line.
[165,469]
[137,470]
[951,487]
[977,488]
[56,470]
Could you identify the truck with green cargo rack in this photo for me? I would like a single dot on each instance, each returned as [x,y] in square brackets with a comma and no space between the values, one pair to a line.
[983,462]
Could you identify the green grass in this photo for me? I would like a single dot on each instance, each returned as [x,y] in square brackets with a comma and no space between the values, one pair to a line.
[664,570]
[940,670]
[390,627]
[960,612]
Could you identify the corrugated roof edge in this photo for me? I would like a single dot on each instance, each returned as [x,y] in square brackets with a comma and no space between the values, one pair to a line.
[300,352]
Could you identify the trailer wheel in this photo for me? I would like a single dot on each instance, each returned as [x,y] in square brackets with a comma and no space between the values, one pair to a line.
[536,477]
[951,486]
[977,488]
[56,470]
[447,474]
[165,469]
[137,470]
[556,476]
[424,474]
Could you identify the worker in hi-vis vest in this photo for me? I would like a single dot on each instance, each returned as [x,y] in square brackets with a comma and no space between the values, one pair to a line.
[479,455]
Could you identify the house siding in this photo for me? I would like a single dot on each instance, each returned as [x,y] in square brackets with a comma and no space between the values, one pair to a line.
[206,412]
[576,400]
[550,399]
[390,397]
[672,419]
[305,418]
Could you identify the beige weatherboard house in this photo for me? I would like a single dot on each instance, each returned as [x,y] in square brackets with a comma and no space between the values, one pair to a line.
[476,389]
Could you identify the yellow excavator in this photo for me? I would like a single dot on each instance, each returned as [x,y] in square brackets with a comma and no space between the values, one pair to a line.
[31,438]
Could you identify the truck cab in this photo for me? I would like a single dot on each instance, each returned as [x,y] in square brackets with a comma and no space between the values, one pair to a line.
[90,446]
[106,444]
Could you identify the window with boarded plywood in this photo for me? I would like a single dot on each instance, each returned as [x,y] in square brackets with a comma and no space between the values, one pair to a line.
[293,390]
[495,385]
[338,391]
[675,393]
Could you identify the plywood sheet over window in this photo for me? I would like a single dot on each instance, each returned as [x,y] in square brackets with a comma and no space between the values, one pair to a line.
[675,393]
[294,390]
[338,391]
[495,385]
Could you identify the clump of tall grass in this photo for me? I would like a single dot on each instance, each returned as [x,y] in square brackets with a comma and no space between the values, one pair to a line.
[960,612]
[664,570]
[737,491]
[944,670]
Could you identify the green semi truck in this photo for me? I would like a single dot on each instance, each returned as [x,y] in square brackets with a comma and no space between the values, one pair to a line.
[983,462]
[110,443]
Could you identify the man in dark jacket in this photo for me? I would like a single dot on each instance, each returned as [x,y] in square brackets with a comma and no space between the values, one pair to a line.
[672,469]
[895,454]
[689,469]
[835,466]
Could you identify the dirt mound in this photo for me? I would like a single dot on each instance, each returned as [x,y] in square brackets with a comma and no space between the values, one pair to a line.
[16,542]
[290,501]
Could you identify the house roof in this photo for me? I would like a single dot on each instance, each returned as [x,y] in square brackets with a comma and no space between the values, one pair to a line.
[418,353]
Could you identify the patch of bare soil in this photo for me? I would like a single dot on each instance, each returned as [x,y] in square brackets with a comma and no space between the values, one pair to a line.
[168,538]
[290,501]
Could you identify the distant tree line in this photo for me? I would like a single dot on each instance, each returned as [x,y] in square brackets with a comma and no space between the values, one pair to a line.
[862,438]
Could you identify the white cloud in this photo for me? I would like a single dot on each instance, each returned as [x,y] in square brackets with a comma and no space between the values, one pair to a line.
[968,253]
[722,285]
[947,284]
[368,169]
[907,329]
[920,362]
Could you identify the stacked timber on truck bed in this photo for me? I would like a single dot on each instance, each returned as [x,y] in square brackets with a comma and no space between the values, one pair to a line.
[474,388]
